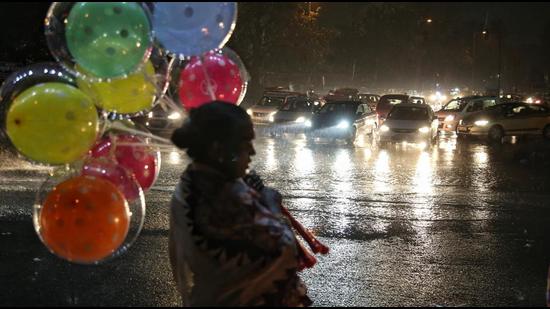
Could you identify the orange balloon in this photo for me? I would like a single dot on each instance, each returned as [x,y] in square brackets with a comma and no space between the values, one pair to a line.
[84,219]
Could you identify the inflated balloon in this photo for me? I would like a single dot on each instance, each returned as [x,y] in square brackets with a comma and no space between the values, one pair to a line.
[213,76]
[52,123]
[107,39]
[83,219]
[192,28]
[131,95]
[128,185]
[29,76]
[111,171]
[132,153]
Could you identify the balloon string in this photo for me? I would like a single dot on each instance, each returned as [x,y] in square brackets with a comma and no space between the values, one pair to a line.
[208,82]
[118,126]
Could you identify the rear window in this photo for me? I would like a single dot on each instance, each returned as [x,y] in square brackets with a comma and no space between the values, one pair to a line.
[271,101]
[388,102]
[408,113]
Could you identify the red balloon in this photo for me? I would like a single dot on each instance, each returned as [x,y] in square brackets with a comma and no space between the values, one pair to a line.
[116,174]
[216,69]
[132,153]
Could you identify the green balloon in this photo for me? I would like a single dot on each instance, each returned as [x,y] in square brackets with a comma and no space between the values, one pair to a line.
[52,123]
[108,39]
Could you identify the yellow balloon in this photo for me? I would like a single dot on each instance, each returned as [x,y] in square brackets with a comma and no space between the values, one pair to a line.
[52,123]
[133,94]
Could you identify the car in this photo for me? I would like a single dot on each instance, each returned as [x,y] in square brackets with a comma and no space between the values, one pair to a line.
[409,122]
[504,119]
[370,99]
[295,115]
[342,120]
[161,120]
[271,101]
[456,109]
[389,100]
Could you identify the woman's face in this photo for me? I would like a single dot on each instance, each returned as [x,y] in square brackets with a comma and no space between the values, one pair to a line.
[243,158]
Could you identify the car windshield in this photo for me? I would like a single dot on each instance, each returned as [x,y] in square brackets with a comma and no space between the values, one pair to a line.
[297,105]
[455,106]
[271,101]
[338,107]
[408,113]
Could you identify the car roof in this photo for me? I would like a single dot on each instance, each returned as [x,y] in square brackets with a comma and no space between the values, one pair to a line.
[344,102]
[411,105]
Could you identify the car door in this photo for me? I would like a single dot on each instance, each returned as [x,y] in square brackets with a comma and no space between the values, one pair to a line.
[516,119]
[539,117]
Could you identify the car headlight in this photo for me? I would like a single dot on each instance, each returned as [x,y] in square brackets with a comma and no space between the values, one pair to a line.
[384,128]
[424,130]
[344,124]
[481,123]
[174,116]
[300,119]
[150,115]
[307,123]
[249,111]
[450,118]
[272,117]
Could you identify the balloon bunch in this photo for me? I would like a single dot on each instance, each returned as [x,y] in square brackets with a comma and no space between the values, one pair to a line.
[114,61]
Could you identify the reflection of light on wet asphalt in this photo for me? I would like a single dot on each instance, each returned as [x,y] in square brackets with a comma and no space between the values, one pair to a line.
[271,158]
[303,160]
[382,172]
[342,168]
[422,179]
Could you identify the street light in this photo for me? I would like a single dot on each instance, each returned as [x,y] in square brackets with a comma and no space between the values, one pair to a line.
[429,20]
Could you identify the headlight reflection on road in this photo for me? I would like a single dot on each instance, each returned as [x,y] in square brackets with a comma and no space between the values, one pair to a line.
[271,160]
[303,160]
[382,172]
[423,176]
[342,174]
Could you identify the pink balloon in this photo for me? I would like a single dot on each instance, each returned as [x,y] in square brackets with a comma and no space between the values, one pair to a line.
[223,75]
[116,174]
[133,154]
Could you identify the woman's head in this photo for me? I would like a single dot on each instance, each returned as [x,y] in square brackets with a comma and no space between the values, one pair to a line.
[220,135]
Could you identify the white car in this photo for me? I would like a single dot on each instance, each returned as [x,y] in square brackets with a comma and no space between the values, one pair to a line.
[409,122]
[271,102]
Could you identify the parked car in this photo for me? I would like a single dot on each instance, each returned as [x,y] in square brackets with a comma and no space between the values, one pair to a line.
[268,105]
[457,109]
[516,118]
[409,122]
[387,102]
[342,120]
[370,99]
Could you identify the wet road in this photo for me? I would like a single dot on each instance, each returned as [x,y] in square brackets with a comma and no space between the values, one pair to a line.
[457,224]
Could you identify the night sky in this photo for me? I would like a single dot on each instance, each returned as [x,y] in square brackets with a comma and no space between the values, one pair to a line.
[22,37]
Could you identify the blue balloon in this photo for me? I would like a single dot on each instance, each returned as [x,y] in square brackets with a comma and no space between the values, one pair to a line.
[193,28]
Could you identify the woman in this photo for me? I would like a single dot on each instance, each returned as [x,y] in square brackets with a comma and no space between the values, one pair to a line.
[229,244]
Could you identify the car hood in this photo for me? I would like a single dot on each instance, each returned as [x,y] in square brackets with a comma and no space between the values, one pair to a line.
[331,119]
[406,124]
[291,116]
